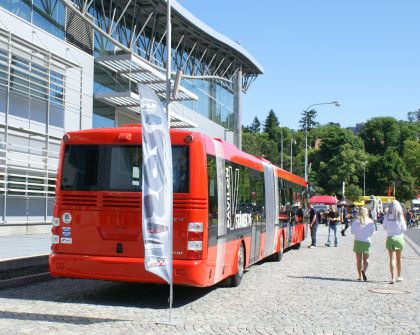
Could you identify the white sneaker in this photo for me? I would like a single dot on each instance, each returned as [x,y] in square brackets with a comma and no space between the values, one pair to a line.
[399,279]
[312,247]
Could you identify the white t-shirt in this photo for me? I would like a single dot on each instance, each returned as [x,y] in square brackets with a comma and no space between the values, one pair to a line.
[394,227]
[362,232]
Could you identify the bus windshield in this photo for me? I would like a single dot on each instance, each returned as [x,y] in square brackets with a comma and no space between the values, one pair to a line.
[115,168]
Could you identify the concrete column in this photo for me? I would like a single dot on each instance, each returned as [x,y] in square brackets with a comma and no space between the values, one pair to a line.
[237,109]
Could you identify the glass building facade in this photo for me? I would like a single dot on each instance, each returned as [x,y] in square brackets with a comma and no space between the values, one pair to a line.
[43,90]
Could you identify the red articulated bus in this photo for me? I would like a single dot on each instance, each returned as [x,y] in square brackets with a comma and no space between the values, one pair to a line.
[230,209]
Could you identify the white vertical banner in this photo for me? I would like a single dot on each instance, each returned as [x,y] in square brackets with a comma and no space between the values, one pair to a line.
[157,195]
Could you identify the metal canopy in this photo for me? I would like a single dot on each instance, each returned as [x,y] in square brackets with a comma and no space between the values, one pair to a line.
[134,69]
[139,26]
[130,102]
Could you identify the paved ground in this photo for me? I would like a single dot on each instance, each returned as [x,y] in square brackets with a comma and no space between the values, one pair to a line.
[311,291]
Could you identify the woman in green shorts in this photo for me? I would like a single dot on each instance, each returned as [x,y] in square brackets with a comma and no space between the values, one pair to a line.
[362,228]
[395,225]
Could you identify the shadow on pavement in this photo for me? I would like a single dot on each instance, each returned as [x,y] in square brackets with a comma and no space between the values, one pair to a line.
[54,318]
[105,293]
[336,279]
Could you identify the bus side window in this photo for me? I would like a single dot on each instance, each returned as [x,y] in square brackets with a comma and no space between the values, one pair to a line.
[282,198]
[212,189]
[245,194]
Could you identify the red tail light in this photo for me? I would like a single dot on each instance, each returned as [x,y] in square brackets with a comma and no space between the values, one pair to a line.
[195,240]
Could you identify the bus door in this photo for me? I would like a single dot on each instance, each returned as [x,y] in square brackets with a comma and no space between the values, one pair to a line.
[221,211]
[255,240]
[271,207]
[258,214]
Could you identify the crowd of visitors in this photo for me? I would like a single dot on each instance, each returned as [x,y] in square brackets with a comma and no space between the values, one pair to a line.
[364,223]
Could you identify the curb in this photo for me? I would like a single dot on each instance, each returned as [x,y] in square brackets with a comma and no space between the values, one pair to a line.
[412,244]
[23,281]
[22,262]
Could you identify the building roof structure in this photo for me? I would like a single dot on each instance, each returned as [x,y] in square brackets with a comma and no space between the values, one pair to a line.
[198,49]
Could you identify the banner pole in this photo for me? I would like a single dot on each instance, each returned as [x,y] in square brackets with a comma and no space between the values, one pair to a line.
[168,102]
[170,301]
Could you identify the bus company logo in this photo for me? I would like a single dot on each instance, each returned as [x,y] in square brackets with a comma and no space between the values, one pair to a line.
[154,261]
[66,217]
[228,199]
[147,104]
[243,220]
[153,243]
[66,240]
[155,228]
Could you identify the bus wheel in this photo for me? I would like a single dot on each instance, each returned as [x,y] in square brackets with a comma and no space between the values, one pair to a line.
[279,255]
[237,277]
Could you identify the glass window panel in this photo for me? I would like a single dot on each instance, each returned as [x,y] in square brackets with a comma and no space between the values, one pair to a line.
[115,168]
[19,105]
[49,15]
[57,115]
[2,99]
[38,110]
[21,8]
[212,189]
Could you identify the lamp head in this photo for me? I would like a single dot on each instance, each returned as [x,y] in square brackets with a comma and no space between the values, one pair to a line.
[336,103]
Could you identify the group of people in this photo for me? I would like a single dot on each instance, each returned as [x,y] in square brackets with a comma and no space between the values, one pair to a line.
[363,226]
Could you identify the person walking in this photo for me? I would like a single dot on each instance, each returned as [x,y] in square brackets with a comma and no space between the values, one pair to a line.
[362,228]
[313,224]
[334,220]
[395,225]
[344,220]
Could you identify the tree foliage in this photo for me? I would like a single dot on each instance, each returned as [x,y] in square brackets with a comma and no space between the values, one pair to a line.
[271,124]
[255,126]
[387,150]
[308,120]
[381,133]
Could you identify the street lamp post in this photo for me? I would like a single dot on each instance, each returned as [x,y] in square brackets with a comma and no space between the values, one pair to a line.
[281,146]
[364,178]
[292,141]
[336,103]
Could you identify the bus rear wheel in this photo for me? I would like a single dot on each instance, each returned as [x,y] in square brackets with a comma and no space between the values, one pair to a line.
[237,277]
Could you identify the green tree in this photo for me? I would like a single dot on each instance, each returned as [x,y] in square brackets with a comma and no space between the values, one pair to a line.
[414,116]
[339,158]
[384,170]
[271,124]
[405,188]
[255,126]
[353,192]
[411,157]
[308,119]
[379,134]
[259,144]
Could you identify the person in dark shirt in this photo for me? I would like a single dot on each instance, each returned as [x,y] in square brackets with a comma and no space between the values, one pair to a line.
[344,220]
[313,224]
[334,221]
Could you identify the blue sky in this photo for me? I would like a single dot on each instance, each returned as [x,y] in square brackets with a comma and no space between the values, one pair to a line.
[366,54]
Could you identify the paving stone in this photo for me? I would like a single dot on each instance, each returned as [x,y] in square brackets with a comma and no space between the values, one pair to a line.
[311,291]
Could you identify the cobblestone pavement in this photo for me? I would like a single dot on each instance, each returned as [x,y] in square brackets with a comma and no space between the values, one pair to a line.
[311,291]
